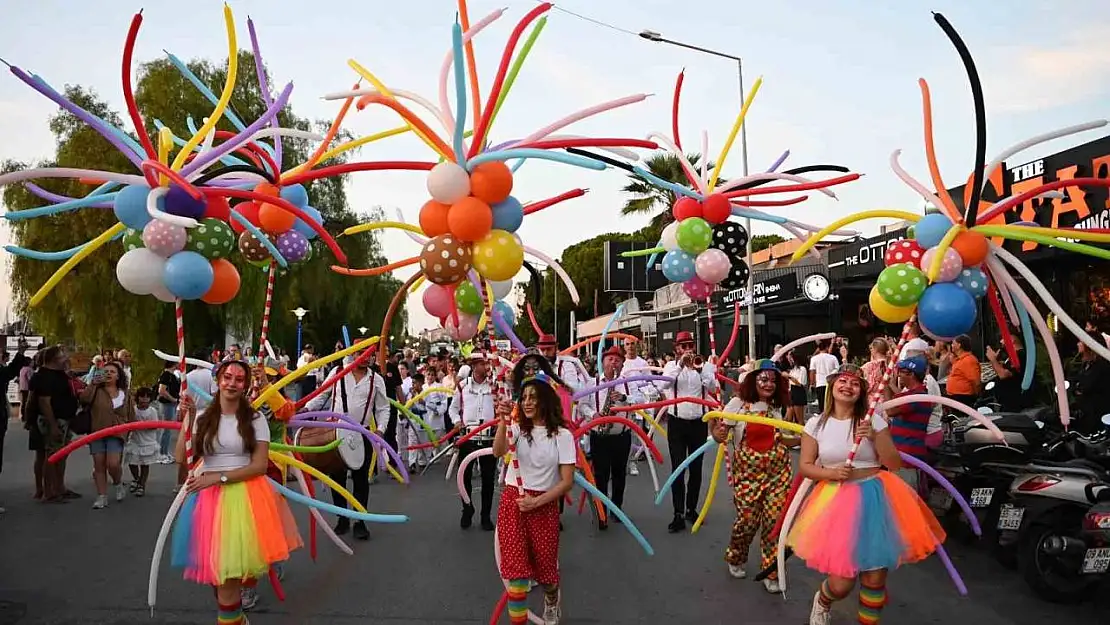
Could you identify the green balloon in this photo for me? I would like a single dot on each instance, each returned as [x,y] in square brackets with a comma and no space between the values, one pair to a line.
[211,239]
[468,300]
[694,235]
[132,240]
[911,232]
[902,284]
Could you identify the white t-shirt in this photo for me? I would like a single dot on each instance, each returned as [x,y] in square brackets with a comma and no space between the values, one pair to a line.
[823,365]
[834,441]
[541,457]
[228,452]
[200,378]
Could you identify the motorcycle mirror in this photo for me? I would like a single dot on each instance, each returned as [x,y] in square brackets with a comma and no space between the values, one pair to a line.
[1106,420]
[989,385]
[984,410]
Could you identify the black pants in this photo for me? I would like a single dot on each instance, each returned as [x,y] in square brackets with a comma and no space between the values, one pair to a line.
[966,399]
[609,456]
[488,467]
[819,391]
[360,480]
[683,438]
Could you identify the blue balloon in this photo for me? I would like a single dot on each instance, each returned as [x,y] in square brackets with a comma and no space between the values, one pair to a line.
[188,275]
[506,312]
[304,228]
[508,215]
[931,229]
[130,206]
[295,194]
[678,266]
[973,280]
[946,310]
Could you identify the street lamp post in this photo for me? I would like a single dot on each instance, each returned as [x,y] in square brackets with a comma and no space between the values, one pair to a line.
[656,37]
[300,313]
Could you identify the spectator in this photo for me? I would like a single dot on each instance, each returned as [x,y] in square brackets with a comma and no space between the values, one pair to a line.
[8,372]
[55,406]
[124,358]
[308,382]
[874,370]
[25,383]
[944,360]
[1092,387]
[965,378]
[142,448]
[109,405]
[797,372]
[915,346]
[821,366]
[1007,388]
[169,392]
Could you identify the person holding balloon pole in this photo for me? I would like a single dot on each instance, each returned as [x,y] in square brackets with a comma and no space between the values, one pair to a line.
[859,521]
[233,524]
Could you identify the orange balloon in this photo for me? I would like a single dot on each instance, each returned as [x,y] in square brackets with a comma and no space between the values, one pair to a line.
[491,182]
[274,219]
[470,219]
[266,188]
[225,284]
[972,247]
[433,218]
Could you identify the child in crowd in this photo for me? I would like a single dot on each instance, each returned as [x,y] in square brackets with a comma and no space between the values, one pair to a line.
[142,448]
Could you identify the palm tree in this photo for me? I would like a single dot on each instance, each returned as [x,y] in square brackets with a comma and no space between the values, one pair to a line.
[647,198]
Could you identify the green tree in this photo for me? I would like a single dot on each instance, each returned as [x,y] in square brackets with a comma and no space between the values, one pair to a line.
[649,199]
[90,308]
[763,241]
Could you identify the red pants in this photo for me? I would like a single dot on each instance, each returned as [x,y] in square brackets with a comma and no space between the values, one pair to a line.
[529,541]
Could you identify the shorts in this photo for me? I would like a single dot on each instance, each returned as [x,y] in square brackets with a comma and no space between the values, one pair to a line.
[35,440]
[107,445]
[798,395]
[51,444]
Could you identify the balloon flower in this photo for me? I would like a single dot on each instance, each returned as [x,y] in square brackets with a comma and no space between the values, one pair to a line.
[954,257]
[467,227]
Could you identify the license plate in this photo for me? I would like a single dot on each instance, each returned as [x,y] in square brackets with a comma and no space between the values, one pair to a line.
[1097,560]
[1009,517]
[981,497]
[940,499]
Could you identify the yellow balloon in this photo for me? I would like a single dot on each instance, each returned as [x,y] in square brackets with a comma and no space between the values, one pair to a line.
[888,312]
[498,256]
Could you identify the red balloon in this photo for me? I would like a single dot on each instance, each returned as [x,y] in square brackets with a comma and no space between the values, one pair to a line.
[686,207]
[248,210]
[715,208]
[218,208]
[906,251]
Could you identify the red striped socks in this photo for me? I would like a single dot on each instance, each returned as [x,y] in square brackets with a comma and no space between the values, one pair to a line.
[230,614]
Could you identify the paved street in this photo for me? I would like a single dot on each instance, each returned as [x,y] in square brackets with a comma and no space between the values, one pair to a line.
[70,564]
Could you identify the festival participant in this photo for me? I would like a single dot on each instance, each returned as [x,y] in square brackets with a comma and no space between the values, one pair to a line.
[568,368]
[610,444]
[418,458]
[686,431]
[760,467]
[355,395]
[472,405]
[635,365]
[909,423]
[233,524]
[858,521]
[540,475]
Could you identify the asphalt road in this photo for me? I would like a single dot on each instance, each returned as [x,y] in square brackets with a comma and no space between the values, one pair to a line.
[69,564]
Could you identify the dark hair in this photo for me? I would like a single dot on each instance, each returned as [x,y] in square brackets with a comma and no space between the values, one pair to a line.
[121,377]
[823,345]
[144,391]
[748,392]
[964,341]
[545,366]
[50,353]
[418,377]
[548,405]
[208,423]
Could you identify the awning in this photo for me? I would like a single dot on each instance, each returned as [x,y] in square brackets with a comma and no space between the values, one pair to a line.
[593,327]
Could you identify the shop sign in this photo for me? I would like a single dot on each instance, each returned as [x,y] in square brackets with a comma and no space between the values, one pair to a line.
[768,291]
[862,258]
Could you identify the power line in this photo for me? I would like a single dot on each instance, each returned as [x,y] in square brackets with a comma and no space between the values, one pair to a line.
[593,21]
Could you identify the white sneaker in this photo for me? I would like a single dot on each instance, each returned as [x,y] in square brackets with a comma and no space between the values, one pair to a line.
[552,612]
[772,586]
[819,614]
[249,598]
[633,469]
[737,571]
[100,502]
[121,492]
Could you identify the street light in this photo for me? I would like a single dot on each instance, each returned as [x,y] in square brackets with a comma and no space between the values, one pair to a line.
[300,313]
[651,35]
[362,330]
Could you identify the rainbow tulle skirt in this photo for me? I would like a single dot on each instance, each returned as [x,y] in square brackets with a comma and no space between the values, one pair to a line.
[233,531]
[874,523]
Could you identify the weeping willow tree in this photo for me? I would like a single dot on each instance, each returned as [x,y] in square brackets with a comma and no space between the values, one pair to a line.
[91,309]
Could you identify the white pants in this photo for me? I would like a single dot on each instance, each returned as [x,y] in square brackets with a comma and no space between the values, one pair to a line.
[416,435]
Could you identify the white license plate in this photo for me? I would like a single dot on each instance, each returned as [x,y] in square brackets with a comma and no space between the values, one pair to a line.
[1009,517]
[940,499]
[1097,560]
[981,497]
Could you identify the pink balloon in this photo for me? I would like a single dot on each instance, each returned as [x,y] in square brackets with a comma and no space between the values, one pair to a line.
[950,266]
[712,265]
[697,289]
[467,328]
[163,238]
[437,300]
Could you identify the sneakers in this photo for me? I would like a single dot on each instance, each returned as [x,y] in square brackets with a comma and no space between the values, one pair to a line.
[772,585]
[737,571]
[819,614]
[140,491]
[342,526]
[249,597]
[121,492]
[101,502]
[633,469]
[552,612]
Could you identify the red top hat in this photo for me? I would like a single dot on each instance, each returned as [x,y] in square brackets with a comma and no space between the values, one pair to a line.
[683,337]
[547,340]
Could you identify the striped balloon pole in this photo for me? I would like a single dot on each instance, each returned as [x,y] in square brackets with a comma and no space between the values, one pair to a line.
[179,318]
[877,392]
[712,331]
[272,271]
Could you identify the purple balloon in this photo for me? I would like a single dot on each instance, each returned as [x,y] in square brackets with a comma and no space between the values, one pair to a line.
[293,245]
[178,202]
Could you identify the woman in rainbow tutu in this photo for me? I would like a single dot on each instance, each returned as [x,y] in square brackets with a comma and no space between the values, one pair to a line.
[859,520]
[233,524]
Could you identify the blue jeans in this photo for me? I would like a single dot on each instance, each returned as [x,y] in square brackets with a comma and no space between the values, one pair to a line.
[169,413]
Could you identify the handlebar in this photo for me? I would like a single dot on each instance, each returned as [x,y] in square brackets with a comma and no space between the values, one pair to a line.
[1101,496]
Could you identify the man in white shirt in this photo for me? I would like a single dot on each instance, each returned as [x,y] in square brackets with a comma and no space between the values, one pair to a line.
[686,431]
[611,444]
[915,346]
[472,405]
[635,365]
[124,358]
[568,368]
[821,366]
[360,395]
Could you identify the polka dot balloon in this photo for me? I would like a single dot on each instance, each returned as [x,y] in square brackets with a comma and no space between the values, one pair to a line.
[498,256]
[132,239]
[678,266]
[906,251]
[163,238]
[901,285]
[950,266]
[445,259]
[211,239]
[694,235]
[737,275]
[697,289]
[974,281]
[292,245]
[252,249]
[731,238]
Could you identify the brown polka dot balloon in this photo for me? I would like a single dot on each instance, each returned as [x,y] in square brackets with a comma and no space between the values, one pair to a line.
[251,248]
[445,259]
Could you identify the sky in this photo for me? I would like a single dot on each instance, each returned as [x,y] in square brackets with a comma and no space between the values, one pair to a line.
[840,86]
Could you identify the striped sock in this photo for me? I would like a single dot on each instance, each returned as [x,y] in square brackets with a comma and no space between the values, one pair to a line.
[827,597]
[230,614]
[518,601]
[872,598]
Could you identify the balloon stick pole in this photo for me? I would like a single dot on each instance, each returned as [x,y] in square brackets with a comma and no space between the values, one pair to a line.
[271,270]
[877,392]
